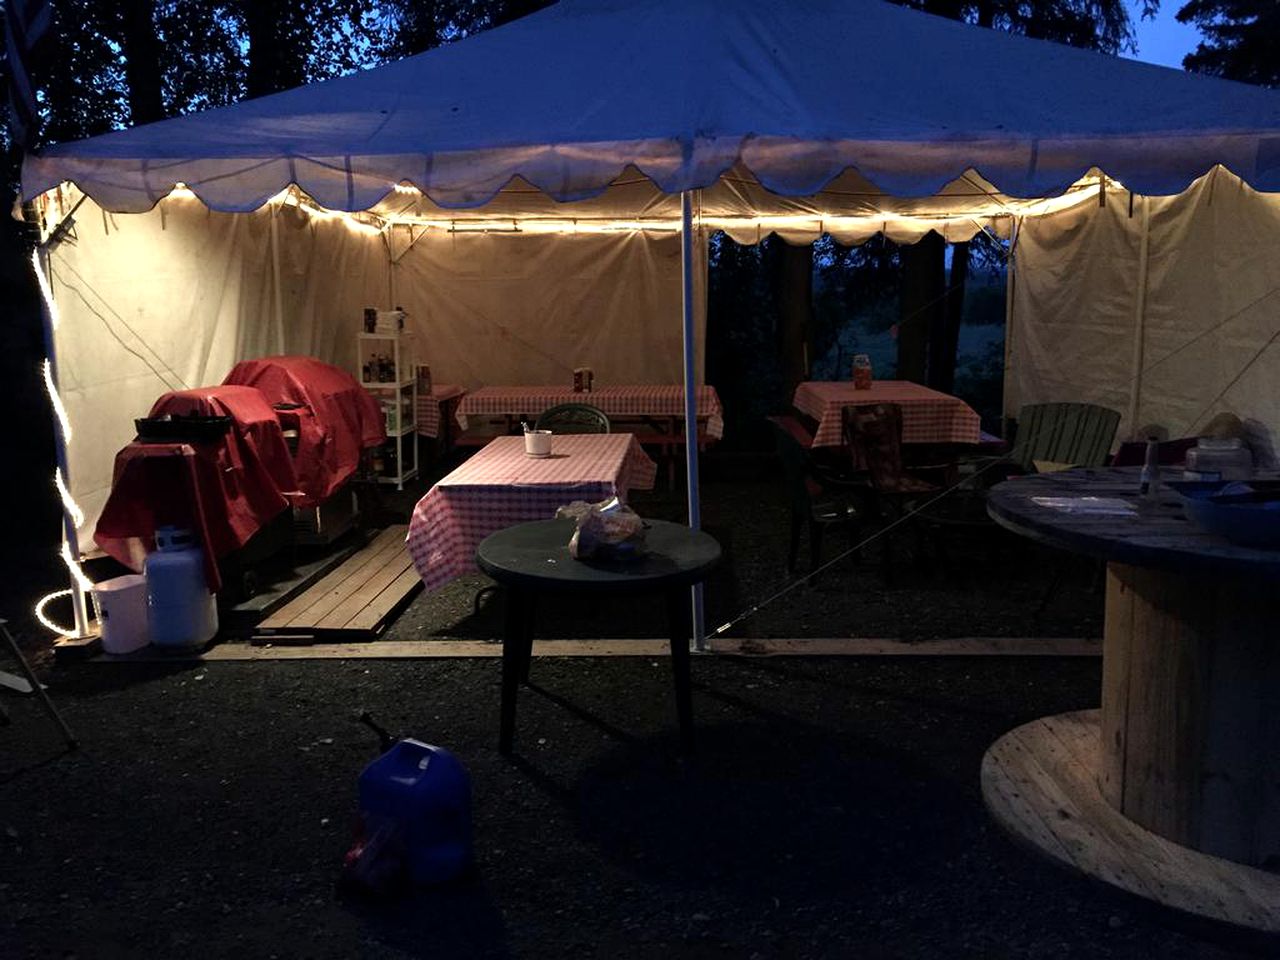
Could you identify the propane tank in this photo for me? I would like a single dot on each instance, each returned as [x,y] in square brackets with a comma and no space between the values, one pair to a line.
[181,610]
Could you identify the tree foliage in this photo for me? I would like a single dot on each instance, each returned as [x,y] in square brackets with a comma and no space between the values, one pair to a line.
[1241,39]
[1094,24]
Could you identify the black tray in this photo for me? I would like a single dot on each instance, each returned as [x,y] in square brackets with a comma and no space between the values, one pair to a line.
[181,429]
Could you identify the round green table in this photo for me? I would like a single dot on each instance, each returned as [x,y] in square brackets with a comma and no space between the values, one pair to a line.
[532,559]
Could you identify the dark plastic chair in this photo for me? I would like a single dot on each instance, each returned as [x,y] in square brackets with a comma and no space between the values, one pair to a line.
[818,500]
[573,418]
[873,435]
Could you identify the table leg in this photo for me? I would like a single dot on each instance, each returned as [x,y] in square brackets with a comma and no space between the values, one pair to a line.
[526,637]
[679,620]
[516,641]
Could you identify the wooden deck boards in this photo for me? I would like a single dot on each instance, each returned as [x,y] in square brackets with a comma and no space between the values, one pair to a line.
[354,601]
[1040,782]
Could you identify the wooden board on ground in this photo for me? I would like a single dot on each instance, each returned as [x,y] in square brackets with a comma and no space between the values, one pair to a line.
[1040,782]
[354,601]
[68,649]
[274,594]
[285,646]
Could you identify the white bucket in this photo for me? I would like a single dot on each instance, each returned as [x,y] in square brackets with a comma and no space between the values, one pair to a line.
[537,443]
[121,605]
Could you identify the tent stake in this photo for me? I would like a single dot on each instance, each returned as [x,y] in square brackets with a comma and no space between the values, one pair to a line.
[691,400]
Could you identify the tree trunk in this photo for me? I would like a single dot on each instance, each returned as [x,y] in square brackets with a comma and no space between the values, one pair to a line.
[276,60]
[944,346]
[419,27]
[141,49]
[921,304]
[793,293]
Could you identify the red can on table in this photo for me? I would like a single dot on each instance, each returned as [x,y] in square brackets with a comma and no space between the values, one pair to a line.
[861,372]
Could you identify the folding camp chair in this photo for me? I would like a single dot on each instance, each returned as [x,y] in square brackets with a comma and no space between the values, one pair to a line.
[32,685]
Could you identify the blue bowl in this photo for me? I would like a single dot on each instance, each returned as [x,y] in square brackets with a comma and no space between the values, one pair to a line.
[1246,524]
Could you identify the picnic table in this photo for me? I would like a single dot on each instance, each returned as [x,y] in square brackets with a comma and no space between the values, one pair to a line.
[432,418]
[1172,790]
[501,486]
[928,416]
[660,406]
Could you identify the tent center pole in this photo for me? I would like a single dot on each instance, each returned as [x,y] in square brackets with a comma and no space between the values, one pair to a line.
[72,538]
[1140,321]
[275,279]
[687,240]
[1015,227]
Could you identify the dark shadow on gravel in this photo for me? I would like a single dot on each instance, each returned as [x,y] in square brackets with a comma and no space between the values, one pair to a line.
[92,680]
[803,812]
[458,920]
[569,706]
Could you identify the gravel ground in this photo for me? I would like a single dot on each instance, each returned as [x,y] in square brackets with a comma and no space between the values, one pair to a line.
[991,584]
[833,810]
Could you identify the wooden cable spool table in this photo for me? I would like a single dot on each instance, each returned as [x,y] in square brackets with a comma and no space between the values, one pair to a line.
[1172,790]
[531,559]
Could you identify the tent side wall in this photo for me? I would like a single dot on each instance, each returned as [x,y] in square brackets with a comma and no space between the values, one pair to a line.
[508,308]
[1169,339]
[173,298]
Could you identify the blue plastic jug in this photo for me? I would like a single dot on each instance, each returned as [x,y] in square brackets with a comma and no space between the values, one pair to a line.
[426,793]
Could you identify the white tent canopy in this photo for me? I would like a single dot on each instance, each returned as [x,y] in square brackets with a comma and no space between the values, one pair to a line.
[684,91]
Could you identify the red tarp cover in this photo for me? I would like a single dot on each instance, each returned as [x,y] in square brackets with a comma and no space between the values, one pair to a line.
[224,491]
[257,427]
[339,418]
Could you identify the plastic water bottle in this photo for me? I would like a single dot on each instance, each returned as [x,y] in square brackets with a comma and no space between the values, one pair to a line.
[1149,483]
[181,610]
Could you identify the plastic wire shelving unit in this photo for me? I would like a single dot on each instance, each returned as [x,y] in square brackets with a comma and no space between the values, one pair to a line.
[398,398]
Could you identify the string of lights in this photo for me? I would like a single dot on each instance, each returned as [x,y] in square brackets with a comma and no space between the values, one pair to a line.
[72,510]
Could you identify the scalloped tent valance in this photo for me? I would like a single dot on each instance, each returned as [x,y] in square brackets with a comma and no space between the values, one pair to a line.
[684,91]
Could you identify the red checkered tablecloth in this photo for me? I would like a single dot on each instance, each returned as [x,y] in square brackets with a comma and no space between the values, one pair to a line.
[927,415]
[500,486]
[637,400]
[429,406]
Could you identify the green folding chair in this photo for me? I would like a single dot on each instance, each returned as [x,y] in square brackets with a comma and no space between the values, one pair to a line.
[573,418]
[1079,434]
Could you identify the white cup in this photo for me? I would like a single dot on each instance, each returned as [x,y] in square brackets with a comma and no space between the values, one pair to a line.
[537,443]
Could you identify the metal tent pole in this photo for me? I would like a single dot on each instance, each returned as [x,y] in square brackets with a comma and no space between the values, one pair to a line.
[687,240]
[1009,281]
[1140,321]
[60,444]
